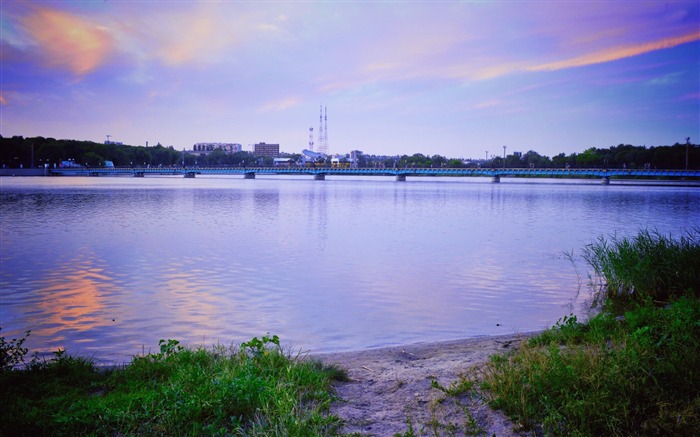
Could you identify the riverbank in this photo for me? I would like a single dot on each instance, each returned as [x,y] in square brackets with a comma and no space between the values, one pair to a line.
[391,390]
[10,172]
[406,391]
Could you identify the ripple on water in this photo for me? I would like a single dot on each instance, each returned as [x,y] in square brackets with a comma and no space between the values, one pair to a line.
[116,264]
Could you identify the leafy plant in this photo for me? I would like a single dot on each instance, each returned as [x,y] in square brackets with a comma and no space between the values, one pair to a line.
[258,347]
[12,352]
[169,347]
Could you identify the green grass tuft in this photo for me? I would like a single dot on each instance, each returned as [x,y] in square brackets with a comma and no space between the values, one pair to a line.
[647,266]
[252,390]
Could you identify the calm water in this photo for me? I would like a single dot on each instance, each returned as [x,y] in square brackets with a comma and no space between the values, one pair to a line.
[108,266]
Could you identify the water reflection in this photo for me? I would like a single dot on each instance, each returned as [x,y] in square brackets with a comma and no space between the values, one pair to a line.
[67,302]
[117,264]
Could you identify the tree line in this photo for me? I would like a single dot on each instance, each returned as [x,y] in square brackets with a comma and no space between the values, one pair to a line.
[17,151]
[620,156]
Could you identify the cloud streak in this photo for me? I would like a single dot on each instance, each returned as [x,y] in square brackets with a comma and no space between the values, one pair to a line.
[280,105]
[617,53]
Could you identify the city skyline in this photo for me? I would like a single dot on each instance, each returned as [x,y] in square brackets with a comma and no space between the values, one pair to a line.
[456,79]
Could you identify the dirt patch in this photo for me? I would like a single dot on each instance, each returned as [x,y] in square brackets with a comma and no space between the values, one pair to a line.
[391,389]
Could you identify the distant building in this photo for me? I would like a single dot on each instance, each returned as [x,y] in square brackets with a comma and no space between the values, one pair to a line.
[264,149]
[282,162]
[355,157]
[210,147]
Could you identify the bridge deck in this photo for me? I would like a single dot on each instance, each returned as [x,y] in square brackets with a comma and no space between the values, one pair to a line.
[399,172]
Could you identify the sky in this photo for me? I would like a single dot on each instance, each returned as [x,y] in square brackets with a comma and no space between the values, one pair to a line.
[458,79]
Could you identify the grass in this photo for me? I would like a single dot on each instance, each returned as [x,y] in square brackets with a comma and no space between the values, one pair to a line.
[640,375]
[646,266]
[635,374]
[251,390]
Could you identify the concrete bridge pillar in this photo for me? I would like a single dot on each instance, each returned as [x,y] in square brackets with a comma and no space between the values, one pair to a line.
[320,177]
[248,175]
[400,178]
[605,180]
[496,179]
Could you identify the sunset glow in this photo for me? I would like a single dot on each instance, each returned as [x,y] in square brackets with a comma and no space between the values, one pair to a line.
[449,78]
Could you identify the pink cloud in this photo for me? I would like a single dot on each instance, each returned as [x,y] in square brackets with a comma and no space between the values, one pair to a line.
[206,33]
[487,104]
[68,41]
[280,105]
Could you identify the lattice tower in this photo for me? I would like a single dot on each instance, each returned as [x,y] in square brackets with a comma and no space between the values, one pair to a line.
[325,130]
[322,135]
[320,130]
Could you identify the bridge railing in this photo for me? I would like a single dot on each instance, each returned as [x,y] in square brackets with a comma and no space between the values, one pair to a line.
[394,171]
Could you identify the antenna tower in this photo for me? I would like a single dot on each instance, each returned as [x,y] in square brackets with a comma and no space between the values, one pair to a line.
[320,131]
[311,138]
[325,130]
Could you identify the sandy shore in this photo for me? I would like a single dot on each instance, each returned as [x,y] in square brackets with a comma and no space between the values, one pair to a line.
[392,386]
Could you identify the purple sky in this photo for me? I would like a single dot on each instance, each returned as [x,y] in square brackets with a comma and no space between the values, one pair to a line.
[450,78]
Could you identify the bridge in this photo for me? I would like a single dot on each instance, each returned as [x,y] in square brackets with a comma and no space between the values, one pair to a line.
[320,173]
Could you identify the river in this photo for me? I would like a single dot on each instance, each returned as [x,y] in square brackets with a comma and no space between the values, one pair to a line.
[106,267]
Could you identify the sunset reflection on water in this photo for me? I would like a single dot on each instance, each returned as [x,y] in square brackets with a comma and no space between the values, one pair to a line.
[69,301]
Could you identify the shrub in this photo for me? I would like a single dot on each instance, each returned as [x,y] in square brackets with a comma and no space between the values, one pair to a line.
[12,352]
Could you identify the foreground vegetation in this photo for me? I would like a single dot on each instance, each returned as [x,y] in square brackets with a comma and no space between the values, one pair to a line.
[254,389]
[633,369]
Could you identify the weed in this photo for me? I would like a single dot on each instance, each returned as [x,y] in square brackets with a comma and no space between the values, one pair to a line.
[411,432]
[459,387]
[259,347]
[12,352]
[648,265]
[169,347]
[641,377]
